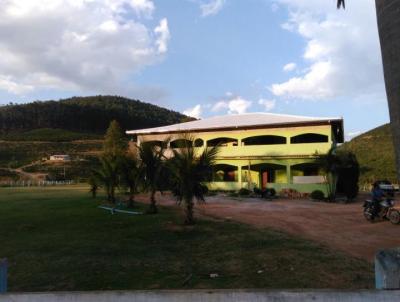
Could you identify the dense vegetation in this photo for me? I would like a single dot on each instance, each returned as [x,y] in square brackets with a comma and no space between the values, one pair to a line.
[18,154]
[57,239]
[85,114]
[375,154]
[48,135]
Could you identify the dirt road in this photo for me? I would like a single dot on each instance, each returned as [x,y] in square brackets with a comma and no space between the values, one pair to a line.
[339,226]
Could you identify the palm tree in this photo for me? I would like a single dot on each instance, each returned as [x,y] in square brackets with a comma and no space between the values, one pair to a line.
[108,176]
[188,172]
[132,175]
[94,186]
[152,163]
[388,15]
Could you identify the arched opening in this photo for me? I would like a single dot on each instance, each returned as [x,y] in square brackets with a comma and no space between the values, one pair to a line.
[225,173]
[264,140]
[199,142]
[181,143]
[307,173]
[309,138]
[155,144]
[306,169]
[222,142]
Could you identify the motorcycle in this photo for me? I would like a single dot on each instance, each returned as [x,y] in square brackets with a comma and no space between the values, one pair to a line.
[386,210]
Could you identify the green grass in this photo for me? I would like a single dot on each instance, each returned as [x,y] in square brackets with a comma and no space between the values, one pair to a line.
[57,239]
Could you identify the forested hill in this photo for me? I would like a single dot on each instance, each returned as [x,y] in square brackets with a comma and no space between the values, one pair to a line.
[85,114]
[375,153]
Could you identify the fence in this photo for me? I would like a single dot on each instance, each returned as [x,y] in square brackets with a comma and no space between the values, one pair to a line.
[39,183]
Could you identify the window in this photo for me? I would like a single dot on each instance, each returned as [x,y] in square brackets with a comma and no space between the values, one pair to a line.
[264,140]
[309,138]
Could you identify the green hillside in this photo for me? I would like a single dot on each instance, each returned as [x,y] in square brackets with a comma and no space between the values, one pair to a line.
[375,153]
[85,114]
[30,133]
[48,135]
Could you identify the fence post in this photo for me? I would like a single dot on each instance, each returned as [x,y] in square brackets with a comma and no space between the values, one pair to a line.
[387,269]
[3,275]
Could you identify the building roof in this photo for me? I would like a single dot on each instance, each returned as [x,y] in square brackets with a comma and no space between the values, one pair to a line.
[239,121]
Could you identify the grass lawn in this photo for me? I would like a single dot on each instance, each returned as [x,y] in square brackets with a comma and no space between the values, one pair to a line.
[57,239]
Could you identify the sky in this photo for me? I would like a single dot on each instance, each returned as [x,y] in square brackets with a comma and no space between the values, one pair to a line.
[199,57]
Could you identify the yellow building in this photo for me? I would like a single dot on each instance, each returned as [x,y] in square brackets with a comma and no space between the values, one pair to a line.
[260,150]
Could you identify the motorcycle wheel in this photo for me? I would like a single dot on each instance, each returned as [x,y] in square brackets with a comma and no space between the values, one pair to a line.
[368,215]
[394,217]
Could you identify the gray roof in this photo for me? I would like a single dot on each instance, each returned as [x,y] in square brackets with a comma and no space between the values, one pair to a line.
[246,120]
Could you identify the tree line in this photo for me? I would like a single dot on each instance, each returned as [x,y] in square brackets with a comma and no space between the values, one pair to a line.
[86,114]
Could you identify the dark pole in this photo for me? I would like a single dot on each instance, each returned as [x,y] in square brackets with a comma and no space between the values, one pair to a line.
[3,275]
[388,16]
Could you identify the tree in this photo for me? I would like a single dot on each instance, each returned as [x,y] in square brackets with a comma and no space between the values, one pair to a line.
[132,175]
[115,144]
[189,171]
[152,162]
[108,176]
[388,16]
[114,149]
[340,165]
[348,174]
[330,163]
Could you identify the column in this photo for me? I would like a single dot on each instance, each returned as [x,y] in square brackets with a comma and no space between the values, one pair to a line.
[288,174]
[240,176]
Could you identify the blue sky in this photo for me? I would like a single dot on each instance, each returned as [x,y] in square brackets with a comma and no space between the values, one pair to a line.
[201,57]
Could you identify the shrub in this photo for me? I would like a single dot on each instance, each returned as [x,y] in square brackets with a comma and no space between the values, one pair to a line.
[317,195]
[257,191]
[244,192]
[272,192]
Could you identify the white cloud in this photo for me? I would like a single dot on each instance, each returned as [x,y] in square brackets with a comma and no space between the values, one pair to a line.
[235,105]
[78,45]
[143,7]
[195,112]
[238,105]
[289,67]
[314,84]
[219,106]
[342,51]
[163,36]
[268,104]
[212,7]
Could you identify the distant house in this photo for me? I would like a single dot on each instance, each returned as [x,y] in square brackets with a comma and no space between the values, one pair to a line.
[60,157]
[261,150]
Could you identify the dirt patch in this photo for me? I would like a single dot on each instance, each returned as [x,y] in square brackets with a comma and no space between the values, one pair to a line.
[339,226]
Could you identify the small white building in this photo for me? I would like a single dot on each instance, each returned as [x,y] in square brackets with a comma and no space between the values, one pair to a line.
[59,157]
